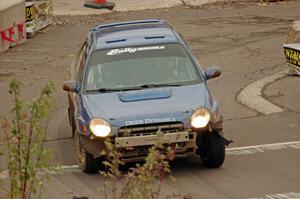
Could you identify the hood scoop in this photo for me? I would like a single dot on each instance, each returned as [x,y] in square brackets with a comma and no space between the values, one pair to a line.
[145,95]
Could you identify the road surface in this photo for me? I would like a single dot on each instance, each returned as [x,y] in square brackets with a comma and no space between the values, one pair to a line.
[244,40]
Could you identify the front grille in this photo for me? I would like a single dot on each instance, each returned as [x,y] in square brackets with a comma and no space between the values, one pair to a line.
[150,129]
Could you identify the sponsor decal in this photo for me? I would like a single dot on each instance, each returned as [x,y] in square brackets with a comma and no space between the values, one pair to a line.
[150,121]
[120,51]
[30,12]
[292,56]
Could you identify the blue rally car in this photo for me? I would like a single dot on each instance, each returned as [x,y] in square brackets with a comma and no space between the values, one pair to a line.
[137,83]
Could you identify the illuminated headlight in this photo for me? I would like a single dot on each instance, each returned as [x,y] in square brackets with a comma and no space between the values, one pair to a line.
[200,118]
[100,127]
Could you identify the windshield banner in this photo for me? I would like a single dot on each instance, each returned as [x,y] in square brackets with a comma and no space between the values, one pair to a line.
[133,50]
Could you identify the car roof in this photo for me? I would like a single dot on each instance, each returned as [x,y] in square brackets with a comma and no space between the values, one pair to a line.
[133,33]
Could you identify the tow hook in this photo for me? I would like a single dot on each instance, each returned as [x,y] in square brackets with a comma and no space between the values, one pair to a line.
[227,142]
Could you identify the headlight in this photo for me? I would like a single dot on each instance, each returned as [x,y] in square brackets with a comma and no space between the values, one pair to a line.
[100,127]
[200,118]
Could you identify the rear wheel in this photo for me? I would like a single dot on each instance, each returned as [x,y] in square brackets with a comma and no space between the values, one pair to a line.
[212,150]
[86,161]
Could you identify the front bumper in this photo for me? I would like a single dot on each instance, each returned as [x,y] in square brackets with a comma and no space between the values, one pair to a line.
[135,147]
[145,140]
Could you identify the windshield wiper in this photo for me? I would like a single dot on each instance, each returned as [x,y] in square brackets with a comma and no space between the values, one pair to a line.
[107,90]
[158,85]
[103,90]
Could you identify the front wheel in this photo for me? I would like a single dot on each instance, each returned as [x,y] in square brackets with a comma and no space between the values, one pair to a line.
[212,150]
[86,161]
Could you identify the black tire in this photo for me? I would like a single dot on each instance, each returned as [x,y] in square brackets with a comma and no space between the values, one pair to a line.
[92,165]
[69,116]
[86,161]
[212,151]
[71,121]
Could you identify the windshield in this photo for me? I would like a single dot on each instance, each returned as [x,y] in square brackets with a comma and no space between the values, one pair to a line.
[140,66]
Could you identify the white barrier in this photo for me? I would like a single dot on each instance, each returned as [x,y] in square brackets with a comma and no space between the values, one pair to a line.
[294,33]
[12,23]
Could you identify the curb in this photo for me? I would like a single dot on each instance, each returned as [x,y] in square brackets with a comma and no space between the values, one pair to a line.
[251,96]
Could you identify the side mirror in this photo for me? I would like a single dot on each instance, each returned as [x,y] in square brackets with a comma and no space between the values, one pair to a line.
[212,72]
[70,86]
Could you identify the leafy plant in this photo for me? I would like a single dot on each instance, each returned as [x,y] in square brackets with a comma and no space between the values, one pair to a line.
[143,181]
[24,137]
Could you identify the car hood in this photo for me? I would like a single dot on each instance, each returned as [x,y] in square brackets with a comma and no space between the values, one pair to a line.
[148,105]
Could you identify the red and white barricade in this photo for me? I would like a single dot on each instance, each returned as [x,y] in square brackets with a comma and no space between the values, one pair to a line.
[12,23]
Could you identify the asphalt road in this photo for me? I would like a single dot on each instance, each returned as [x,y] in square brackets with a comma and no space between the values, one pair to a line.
[244,40]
